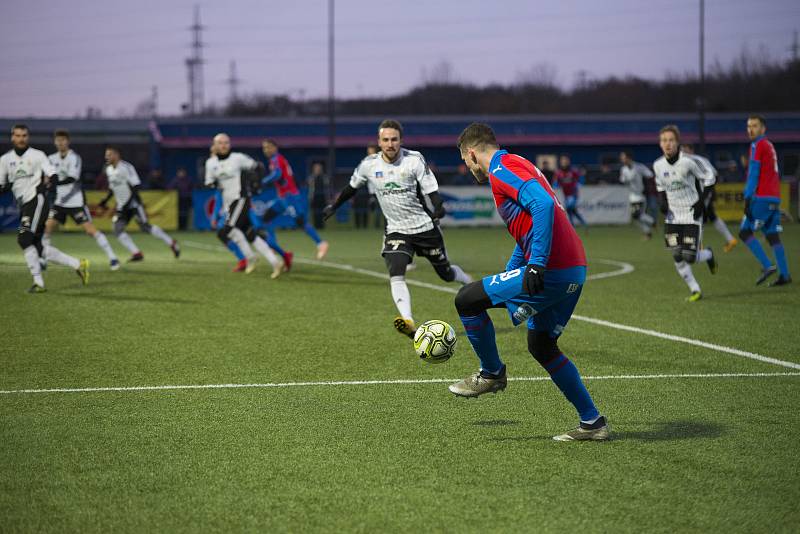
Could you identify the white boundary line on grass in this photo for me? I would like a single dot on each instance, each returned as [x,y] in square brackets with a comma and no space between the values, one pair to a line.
[379,382]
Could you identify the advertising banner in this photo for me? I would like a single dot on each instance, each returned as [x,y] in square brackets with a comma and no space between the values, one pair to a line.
[208,202]
[730,201]
[9,213]
[161,208]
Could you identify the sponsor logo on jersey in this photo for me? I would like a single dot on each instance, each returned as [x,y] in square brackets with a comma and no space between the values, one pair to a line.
[378,174]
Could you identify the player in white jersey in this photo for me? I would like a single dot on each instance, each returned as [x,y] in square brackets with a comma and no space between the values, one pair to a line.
[27,171]
[401,179]
[633,174]
[235,174]
[124,184]
[680,182]
[70,200]
[709,213]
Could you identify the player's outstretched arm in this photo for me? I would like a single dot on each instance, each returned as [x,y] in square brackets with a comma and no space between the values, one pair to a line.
[346,194]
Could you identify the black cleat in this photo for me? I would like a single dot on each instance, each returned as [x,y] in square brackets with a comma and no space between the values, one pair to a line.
[36,288]
[766,273]
[781,281]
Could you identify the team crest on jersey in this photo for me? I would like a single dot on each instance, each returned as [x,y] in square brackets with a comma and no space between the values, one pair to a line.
[378,174]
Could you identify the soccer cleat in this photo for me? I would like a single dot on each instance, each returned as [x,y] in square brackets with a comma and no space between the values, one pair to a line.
[176,249]
[600,430]
[730,244]
[405,327]
[83,271]
[766,273]
[287,261]
[241,265]
[781,281]
[36,288]
[278,269]
[136,257]
[478,384]
[322,249]
[712,262]
[695,296]
[251,264]
[114,264]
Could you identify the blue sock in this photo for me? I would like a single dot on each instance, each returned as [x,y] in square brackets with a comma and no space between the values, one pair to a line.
[568,379]
[312,233]
[780,259]
[480,332]
[755,247]
[272,241]
[236,252]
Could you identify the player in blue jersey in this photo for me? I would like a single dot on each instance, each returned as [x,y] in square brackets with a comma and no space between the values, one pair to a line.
[762,203]
[541,283]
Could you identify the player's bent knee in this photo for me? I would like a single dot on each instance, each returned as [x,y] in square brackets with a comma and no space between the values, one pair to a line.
[445,272]
[472,300]
[25,239]
[222,234]
[774,239]
[677,255]
[542,347]
[251,234]
[744,235]
[146,227]
[119,227]
[689,256]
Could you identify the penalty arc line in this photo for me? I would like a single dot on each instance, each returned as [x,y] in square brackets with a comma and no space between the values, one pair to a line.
[380,382]
[624,268]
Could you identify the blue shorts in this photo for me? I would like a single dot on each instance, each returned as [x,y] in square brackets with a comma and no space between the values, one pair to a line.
[766,216]
[553,307]
[290,205]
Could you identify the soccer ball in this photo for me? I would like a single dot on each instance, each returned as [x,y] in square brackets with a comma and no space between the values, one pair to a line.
[435,341]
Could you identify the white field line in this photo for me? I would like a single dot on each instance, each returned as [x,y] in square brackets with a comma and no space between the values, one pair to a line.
[380,382]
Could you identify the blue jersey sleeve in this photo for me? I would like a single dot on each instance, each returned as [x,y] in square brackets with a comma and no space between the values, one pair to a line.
[271,177]
[516,260]
[541,207]
[753,172]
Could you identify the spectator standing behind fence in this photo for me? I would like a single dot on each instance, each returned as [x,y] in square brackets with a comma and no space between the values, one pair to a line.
[183,185]
[318,191]
[569,179]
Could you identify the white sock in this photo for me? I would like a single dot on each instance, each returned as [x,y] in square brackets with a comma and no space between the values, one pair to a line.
[722,228]
[56,256]
[461,276]
[238,237]
[32,259]
[262,247]
[156,231]
[704,254]
[685,270]
[401,296]
[127,242]
[102,242]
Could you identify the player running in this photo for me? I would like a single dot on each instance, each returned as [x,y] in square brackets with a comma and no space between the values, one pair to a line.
[289,201]
[541,284]
[633,174]
[27,171]
[234,173]
[569,180]
[124,184]
[70,200]
[400,177]
[680,182]
[762,202]
[709,213]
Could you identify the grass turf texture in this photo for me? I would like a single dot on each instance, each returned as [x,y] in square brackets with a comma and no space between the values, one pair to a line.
[695,454]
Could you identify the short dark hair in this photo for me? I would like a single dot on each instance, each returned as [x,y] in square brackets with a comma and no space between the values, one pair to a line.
[391,123]
[477,135]
[271,141]
[20,126]
[113,148]
[759,118]
[689,146]
[628,154]
[61,132]
[671,128]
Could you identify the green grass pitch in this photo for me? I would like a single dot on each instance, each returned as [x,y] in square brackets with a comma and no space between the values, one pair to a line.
[690,453]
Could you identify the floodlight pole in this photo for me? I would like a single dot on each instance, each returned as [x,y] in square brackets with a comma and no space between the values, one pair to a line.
[701,102]
[331,96]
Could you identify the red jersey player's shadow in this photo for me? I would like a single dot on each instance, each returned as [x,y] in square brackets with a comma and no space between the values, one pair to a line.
[658,431]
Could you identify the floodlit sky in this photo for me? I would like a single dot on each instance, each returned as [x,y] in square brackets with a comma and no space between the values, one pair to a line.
[61,57]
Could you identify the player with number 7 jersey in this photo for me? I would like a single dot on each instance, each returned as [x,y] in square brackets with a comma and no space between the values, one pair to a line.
[542,281]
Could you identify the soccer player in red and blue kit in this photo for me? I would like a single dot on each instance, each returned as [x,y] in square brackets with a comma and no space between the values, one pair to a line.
[762,203]
[569,180]
[289,200]
[541,283]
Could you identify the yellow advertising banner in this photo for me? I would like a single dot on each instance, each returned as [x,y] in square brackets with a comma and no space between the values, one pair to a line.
[161,208]
[730,201]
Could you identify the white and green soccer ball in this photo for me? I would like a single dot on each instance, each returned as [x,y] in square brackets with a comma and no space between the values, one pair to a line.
[435,341]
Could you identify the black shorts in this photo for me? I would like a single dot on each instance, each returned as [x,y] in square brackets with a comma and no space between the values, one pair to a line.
[428,245]
[79,215]
[33,214]
[132,210]
[682,236]
[239,214]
